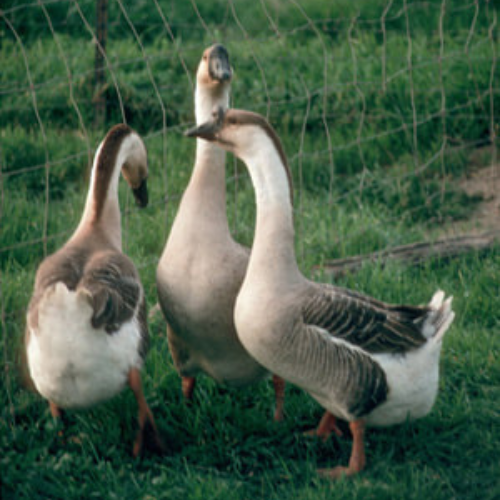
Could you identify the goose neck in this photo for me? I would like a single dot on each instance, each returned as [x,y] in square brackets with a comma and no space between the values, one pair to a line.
[273,254]
[206,98]
[102,209]
[206,192]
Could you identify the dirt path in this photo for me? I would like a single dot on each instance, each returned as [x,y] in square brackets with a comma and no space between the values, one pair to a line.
[485,182]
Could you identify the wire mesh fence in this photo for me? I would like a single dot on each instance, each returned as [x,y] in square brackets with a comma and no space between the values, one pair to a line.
[388,112]
[379,104]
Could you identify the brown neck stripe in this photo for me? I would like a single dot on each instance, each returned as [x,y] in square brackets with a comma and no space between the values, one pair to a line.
[105,166]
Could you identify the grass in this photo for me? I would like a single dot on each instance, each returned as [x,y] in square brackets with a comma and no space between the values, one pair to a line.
[226,446]
[362,183]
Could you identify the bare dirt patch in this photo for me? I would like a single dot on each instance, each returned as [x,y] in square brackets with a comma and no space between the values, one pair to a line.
[486,183]
[483,181]
[479,231]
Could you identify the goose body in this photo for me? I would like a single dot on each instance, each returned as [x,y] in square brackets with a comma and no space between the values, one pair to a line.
[86,334]
[73,364]
[363,360]
[357,356]
[202,268]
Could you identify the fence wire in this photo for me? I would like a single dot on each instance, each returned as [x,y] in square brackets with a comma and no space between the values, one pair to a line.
[149,63]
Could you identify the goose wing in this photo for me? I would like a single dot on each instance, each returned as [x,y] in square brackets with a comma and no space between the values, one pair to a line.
[114,289]
[108,278]
[333,366]
[373,325]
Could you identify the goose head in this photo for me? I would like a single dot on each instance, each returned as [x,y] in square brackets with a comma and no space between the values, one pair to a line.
[237,131]
[232,129]
[214,70]
[247,135]
[135,171]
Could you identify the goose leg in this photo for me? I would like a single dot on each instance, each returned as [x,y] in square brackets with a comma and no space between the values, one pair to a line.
[58,414]
[188,384]
[55,411]
[326,426]
[357,461]
[148,435]
[279,390]
[180,355]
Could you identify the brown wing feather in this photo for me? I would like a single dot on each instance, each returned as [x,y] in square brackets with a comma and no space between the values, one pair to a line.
[354,378]
[108,276]
[368,323]
[111,280]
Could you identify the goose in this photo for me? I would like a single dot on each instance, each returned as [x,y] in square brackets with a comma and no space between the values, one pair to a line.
[86,331]
[202,268]
[365,361]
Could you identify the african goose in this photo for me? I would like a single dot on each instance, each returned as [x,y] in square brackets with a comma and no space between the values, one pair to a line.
[202,267]
[86,334]
[364,361]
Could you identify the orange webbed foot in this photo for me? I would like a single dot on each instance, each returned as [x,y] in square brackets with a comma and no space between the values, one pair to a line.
[337,472]
[148,437]
[357,461]
[327,425]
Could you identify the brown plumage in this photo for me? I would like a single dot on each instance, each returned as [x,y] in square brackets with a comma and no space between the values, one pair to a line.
[365,361]
[202,267]
[89,290]
[375,326]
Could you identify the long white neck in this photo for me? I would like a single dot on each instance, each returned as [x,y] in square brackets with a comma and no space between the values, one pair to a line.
[102,208]
[207,187]
[273,255]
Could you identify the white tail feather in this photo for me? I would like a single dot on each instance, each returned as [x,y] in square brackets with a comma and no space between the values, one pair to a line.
[64,307]
[73,364]
[437,300]
[439,317]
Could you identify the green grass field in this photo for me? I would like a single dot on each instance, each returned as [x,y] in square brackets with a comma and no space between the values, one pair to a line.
[377,152]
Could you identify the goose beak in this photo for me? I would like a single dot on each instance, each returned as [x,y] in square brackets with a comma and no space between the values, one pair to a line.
[208,130]
[141,194]
[218,64]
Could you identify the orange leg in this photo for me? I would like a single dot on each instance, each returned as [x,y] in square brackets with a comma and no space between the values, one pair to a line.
[188,384]
[279,390]
[326,426]
[357,461]
[148,435]
[55,411]
[58,414]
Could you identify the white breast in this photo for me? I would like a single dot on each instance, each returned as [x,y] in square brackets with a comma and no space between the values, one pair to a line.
[72,364]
